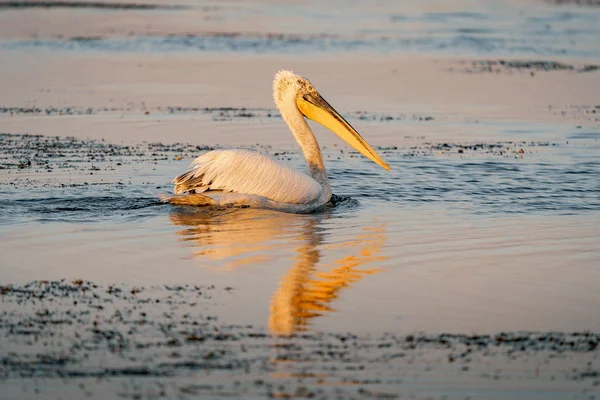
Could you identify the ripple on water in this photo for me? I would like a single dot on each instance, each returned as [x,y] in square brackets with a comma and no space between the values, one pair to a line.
[472,218]
[77,209]
[482,186]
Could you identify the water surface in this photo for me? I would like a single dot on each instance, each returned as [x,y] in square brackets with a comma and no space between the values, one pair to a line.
[505,28]
[489,238]
[468,270]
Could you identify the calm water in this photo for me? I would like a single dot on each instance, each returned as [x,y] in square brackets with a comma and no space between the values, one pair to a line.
[473,242]
[498,28]
[488,222]
[503,236]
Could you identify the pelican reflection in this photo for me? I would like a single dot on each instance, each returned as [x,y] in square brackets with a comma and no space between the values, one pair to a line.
[321,271]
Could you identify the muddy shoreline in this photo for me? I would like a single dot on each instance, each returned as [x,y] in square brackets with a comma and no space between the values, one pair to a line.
[76,330]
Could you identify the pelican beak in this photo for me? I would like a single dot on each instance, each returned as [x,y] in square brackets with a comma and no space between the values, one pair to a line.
[314,107]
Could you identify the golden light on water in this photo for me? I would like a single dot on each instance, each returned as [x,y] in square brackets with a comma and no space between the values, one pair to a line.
[308,289]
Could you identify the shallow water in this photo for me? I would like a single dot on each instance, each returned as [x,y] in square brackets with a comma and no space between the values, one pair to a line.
[486,226]
[488,239]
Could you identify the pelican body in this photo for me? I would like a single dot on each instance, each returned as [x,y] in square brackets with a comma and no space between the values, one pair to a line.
[249,179]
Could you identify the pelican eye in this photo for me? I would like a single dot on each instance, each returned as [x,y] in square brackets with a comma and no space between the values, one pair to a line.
[309,97]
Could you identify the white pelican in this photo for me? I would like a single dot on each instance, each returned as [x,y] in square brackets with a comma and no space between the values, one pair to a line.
[249,179]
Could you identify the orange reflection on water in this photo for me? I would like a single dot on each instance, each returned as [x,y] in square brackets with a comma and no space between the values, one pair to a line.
[244,237]
[233,238]
[306,291]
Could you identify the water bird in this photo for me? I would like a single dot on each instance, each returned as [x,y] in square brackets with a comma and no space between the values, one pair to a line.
[248,178]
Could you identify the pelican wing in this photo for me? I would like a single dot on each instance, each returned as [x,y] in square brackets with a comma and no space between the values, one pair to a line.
[248,172]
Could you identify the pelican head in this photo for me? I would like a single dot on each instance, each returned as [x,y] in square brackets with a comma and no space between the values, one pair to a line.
[310,103]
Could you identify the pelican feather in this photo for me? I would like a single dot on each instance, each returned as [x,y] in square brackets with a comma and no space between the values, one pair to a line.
[250,172]
[251,179]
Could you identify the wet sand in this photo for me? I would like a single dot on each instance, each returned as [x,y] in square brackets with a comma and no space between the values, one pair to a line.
[470,270]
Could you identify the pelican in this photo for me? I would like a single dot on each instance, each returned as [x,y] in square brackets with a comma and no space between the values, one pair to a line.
[249,179]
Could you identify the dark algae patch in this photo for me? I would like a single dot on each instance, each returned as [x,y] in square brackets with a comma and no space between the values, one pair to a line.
[37,153]
[94,337]
[86,4]
[524,66]
[588,3]
[216,113]
[45,153]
